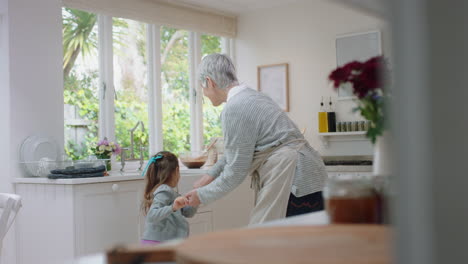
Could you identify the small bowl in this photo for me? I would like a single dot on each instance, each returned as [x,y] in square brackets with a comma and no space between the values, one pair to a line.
[193,159]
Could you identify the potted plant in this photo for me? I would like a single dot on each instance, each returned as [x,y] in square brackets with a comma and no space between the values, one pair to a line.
[104,150]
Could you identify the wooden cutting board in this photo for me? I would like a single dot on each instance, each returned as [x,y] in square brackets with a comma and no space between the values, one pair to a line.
[332,244]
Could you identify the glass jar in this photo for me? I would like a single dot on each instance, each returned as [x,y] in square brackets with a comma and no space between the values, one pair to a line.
[361,126]
[354,126]
[348,126]
[351,200]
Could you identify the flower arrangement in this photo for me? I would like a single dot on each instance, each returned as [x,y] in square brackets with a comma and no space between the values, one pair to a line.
[368,80]
[104,150]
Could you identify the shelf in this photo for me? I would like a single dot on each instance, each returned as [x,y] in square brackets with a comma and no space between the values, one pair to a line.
[343,136]
[354,133]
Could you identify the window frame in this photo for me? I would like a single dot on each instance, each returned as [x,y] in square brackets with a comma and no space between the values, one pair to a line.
[106,119]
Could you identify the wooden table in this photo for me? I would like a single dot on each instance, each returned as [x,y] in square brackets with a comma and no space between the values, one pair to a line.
[329,244]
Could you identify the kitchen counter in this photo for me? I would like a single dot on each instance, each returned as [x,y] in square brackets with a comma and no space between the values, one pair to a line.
[316,218]
[113,177]
[135,175]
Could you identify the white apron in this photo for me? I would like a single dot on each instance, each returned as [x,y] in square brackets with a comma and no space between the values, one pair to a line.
[272,175]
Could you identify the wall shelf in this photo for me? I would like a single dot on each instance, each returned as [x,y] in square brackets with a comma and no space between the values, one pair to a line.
[342,136]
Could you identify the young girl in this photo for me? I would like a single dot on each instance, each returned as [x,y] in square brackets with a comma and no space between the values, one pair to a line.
[164,208]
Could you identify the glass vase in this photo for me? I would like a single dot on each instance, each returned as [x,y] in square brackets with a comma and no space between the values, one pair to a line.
[382,162]
[108,165]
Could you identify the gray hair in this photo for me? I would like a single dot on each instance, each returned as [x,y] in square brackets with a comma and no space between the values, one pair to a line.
[219,68]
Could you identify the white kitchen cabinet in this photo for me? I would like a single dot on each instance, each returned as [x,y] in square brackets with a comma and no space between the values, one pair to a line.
[64,219]
[61,222]
[107,214]
[201,223]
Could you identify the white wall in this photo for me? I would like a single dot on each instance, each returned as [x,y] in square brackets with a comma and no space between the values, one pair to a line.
[31,100]
[36,81]
[5,96]
[7,252]
[303,35]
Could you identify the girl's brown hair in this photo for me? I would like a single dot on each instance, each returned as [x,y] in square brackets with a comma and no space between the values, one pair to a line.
[161,169]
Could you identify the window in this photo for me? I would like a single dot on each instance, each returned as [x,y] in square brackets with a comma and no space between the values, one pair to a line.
[130,84]
[110,86]
[175,89]
[81,78]
[211,115]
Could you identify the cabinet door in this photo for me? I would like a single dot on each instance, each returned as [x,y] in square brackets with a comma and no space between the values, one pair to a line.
[201,223]
[107,214]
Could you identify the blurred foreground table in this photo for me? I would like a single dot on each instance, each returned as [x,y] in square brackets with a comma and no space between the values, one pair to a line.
[281,241]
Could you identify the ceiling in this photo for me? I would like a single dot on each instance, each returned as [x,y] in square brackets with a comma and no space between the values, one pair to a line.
[374,7]
[237,7]
[233,7]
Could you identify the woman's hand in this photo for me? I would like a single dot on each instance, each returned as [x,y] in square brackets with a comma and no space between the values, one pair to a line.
[179,203]
[205,179]
[193,199]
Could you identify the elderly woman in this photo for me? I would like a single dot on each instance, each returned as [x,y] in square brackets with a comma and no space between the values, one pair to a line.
[259,140]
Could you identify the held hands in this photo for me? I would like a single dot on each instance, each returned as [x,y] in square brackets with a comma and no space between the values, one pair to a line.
[193,199]
[179,203]
[204,180]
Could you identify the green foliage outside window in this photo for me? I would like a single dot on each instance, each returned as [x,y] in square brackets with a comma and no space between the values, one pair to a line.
[81,91]
[211,115]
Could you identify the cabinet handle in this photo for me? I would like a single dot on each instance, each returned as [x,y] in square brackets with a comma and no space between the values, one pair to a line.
[115,187]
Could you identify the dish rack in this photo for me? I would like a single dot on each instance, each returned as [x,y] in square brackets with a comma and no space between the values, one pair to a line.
[43,167]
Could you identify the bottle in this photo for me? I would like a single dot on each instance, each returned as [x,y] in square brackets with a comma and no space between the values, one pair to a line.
[331,118]
[322,119]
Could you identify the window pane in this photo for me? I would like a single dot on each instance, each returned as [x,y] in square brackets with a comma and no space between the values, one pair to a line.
[130,82]
[81,81]
[211,115]
[175,89]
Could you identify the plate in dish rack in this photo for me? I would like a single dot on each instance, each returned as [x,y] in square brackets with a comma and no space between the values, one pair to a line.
[37,148]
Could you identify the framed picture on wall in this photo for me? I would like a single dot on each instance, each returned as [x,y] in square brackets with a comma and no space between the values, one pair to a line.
[273,80]
[359,46]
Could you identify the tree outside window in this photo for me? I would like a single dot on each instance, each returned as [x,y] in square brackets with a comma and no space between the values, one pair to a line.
[81,78]
[211,115]
[131,85]
[175,89]
[81,84]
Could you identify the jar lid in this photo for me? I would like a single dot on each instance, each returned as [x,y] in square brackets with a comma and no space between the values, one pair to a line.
[348,187]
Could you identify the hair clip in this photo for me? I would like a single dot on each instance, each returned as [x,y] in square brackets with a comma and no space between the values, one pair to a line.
[152,160]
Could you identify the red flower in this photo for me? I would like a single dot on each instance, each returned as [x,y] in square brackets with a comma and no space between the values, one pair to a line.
[364,77]
[338,76]
[354,67]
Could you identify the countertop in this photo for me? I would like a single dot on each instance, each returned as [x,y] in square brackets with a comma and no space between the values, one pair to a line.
[316,218]
[113,177]
[136,175]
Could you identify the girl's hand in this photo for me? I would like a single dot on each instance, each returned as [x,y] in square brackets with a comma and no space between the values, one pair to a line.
[179,202]
[193,199]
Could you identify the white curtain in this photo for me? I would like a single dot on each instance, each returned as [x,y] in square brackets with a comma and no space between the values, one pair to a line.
[162,13]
